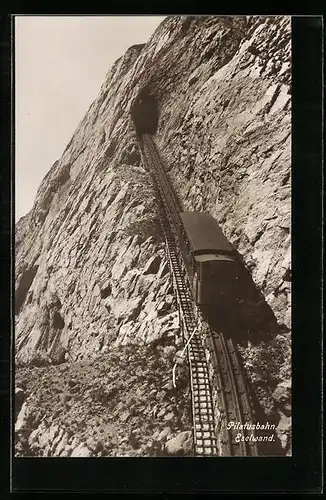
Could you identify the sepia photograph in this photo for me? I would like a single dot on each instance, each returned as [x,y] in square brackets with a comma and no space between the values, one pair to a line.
[152,236]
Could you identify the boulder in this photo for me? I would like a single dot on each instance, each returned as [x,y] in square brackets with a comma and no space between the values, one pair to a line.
[169,416]
[180,445]
[161,413]
[169,351]
[164,434]
[92,444]
[125,415]
[81,451]
[282,393]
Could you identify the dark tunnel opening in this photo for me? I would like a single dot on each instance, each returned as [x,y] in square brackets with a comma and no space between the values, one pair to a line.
[144,114]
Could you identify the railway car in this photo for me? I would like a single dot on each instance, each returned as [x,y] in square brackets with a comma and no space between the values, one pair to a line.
[212,263]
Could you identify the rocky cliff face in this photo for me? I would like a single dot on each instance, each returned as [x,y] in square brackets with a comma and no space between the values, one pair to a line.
[91,275]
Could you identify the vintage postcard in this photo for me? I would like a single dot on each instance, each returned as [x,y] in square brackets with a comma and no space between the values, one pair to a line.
[153,236]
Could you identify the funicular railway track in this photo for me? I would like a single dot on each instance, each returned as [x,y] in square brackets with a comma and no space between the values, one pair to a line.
[212,434]
[205,442]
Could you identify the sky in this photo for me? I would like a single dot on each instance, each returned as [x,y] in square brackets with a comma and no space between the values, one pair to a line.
[60,65]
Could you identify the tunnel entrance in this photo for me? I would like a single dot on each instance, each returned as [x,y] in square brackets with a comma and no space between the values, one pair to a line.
[144,114]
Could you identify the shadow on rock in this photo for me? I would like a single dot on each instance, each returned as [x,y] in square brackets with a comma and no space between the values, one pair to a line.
[246,318]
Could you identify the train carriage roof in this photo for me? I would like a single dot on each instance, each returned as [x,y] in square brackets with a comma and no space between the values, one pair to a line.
[204,233]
